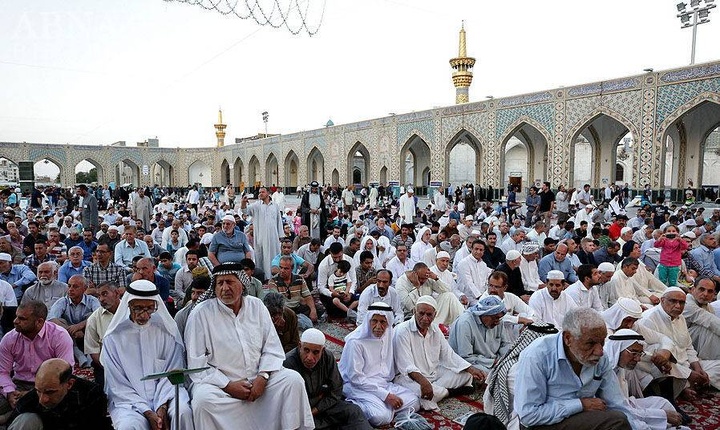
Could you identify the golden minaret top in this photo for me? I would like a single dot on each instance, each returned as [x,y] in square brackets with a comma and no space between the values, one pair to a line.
[462,66]
[220,130]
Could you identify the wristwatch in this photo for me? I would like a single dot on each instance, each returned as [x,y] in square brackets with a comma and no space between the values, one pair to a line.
[264,375]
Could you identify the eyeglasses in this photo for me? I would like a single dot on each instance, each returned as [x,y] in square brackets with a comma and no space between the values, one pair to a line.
[139,310]
[636,354]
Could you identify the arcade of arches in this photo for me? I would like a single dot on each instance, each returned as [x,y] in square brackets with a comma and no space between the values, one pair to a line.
[659,128]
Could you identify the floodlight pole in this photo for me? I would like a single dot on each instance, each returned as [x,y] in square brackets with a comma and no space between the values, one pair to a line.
[695,12]
[694,38]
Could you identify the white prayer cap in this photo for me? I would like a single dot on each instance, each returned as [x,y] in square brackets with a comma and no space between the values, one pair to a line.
[112,227]
[442,254]
[125,219]
[690,235]
[314,336]
[51,226]
[512,255]
[673,290]
[469,218]
[588,206]
[606,267]
[555,274]
[197,225]
[410,190]
[427,300]
[4,256]
[475,233]
[630,306]
[206,238]
[104,223]
[626,230]
[229,218]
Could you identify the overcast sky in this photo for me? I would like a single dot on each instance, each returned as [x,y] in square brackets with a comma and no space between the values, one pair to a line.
[95,72]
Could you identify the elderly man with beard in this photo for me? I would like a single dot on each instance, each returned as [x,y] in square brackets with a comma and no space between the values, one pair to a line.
[250,389]
[624,349]
[98,322]
[426,363]
[478,334]
[703,323]
[565,382]
[421,281]
[47,289]
[367,367]
[551,304]
[143,321]
[323,384]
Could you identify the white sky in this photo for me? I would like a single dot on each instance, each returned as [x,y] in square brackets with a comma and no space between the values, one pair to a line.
[95,72]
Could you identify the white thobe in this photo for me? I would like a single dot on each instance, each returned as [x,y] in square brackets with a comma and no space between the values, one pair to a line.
[530,275]
[130,353]
[440,202]
[370,295]
[406,209]
[448,309]
[461,253]
[418,250]
[515,306]
[238,347]
[477,344]
[658,320]
[143,208]
[584,297]
[448,279]
[430,256]
[473,277]
[509,244]
[620,285]
[431,356]
[279,199]
[398,268]
[650,410]
[550,310]
[646,284]
[704,328]
[268,228]
[373,197]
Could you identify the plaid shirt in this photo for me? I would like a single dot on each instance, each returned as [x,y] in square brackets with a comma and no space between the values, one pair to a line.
[112,273]
[33,262]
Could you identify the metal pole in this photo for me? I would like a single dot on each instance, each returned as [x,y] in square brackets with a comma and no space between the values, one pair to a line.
[694,37]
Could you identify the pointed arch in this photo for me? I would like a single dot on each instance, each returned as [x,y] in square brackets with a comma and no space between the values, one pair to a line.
[271,170]
[460,167]
[315,166]
[335,177]
[49,177]
[199,173]
[383,175]
[535,140]
[162,173]
[224,172]
[9,171]
[522,121]
[237,172]
[358,163]
[254,172]
[127,172]
[98,168]
[419,150]
[292,165]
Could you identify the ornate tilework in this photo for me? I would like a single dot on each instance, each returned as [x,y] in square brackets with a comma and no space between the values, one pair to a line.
[671,97]
[424,129]
[691,73]
[601,87]
[525,99]
[542,114]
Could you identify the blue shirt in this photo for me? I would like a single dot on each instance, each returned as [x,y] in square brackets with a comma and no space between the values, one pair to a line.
[547,390]
[73,314]
[21,277]
[706,259]
[297,262]
[66,271]
[228,248]
[124,253]
[88,249]
[169,274]
[548,263]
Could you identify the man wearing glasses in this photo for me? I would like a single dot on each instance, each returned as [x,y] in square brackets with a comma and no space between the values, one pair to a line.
[297,294]
[104,270]
[143,322]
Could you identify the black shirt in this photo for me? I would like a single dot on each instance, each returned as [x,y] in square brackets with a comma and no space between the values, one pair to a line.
[83,408]
[546,199]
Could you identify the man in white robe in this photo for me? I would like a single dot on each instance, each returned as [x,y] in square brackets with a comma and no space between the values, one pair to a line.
[473,273]
[667,319]
[529,268]
[584,291]
[621,285]
[478,336]
[406,207]
[373,197]
[703,324]
[423,282]
[426,363]
[246,386]
[268,228]
[400,263]
[443,272]
[551,303]
[624,349]
[367,367]
[142,340]
[142,208]
[518,312]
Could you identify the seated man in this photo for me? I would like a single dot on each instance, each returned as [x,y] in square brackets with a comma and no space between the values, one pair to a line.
[624,348]
[557,261]
[551,303]
[367,367]
[197,287]
[254,287]
[47,289]
[142,320]
[478,335]
[19,276]
[421,281]
[31,333]
[565,381]
[323,384]
[703,324]
[74,265]
[71,313]
[380,292]
[300,266]
[426,364]
[326,268]
[244,391]
[584,291]
[61,400]
[97,324]
[284,320]
[299,298]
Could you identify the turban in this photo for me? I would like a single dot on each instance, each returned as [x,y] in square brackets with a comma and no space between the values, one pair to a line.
[530,248]
[490,305]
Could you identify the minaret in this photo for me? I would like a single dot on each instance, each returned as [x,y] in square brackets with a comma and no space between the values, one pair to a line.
[462,66]
[220,130]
